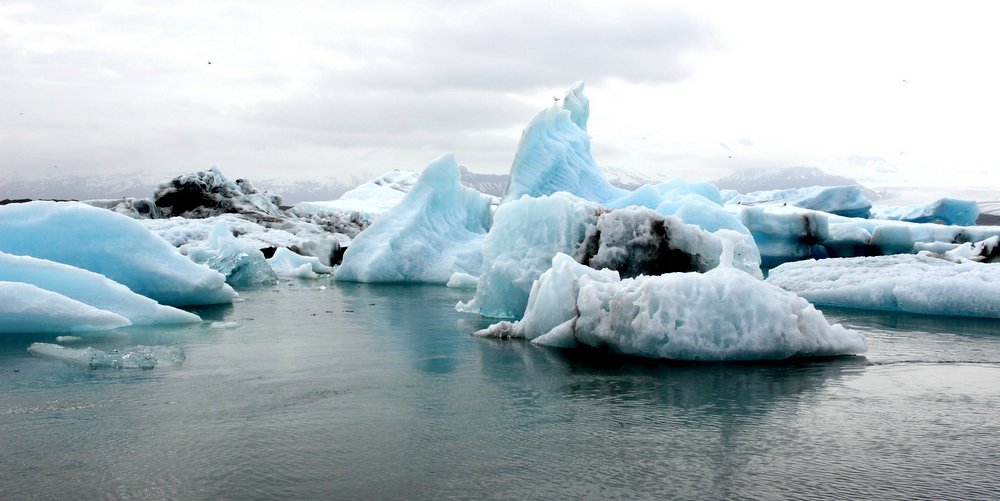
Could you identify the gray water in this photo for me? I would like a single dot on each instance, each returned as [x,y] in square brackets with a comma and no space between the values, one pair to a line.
[380,392]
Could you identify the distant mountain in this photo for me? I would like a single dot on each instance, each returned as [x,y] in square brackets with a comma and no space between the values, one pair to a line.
[626,179]
[292,192]
[490,184]
[78,187]
[750,180]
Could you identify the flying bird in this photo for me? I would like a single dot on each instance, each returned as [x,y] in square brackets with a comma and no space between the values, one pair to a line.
[556,99]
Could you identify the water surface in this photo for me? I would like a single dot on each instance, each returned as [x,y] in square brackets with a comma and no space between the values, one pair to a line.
[364,391]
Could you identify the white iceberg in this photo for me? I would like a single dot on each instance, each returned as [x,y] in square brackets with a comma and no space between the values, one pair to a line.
[909,283]
[286,263]
[437,230]
[365,202]
[90,288]
[554,155]
[723,314]
[113,245]
[28,308]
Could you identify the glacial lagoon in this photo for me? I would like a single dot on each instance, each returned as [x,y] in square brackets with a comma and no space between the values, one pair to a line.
[321,389]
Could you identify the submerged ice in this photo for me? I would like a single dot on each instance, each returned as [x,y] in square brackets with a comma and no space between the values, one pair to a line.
[132,357]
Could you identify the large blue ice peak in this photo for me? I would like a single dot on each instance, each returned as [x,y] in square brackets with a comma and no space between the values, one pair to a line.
[554,155]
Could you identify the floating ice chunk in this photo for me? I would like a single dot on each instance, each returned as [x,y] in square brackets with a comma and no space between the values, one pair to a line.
[986,251]
[223,325]
[945,210]
[723,314]
[846,201]
[526,233]
[437,230]
[241,262]
[286,263]
[90,288]
[133,357]
[554,155]
[113,245]
[68,339]
[915,284]
[461,280]
[27,308]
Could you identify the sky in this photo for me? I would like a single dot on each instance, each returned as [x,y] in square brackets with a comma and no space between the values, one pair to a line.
[886,92]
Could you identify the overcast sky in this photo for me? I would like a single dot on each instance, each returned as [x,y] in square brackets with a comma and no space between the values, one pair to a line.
[298,89]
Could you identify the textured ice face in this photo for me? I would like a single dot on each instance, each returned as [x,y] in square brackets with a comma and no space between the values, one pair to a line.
[436,231]
[113,245]
[723,314]
[28,308]
[554,155]
[915,284]
[89,288]
[526,233]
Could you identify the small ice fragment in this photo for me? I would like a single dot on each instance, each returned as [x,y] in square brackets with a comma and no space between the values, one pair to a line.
[67,339]
[224,325]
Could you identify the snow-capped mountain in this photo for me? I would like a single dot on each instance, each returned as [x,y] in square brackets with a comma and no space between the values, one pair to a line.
[751,180]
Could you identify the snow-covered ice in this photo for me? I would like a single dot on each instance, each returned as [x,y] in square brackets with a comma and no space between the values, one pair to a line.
[437,230]
[90,288]
[723,314]
[132,357]
[113,245]
[910,283]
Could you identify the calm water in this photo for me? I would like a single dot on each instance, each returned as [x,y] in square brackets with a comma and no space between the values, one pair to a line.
[380,392]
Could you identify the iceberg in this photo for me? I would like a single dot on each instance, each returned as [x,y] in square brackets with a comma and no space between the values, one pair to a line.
[695,203]
[28,308]
[782,233]
[239,261]
[554,155]
[365,202]
[437,230]
[847,201]
[133,357]
[286,263]
[945,210]
[90,288]
[209,193]
[908,283]
[526,233]
[112,245]
[723,314]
